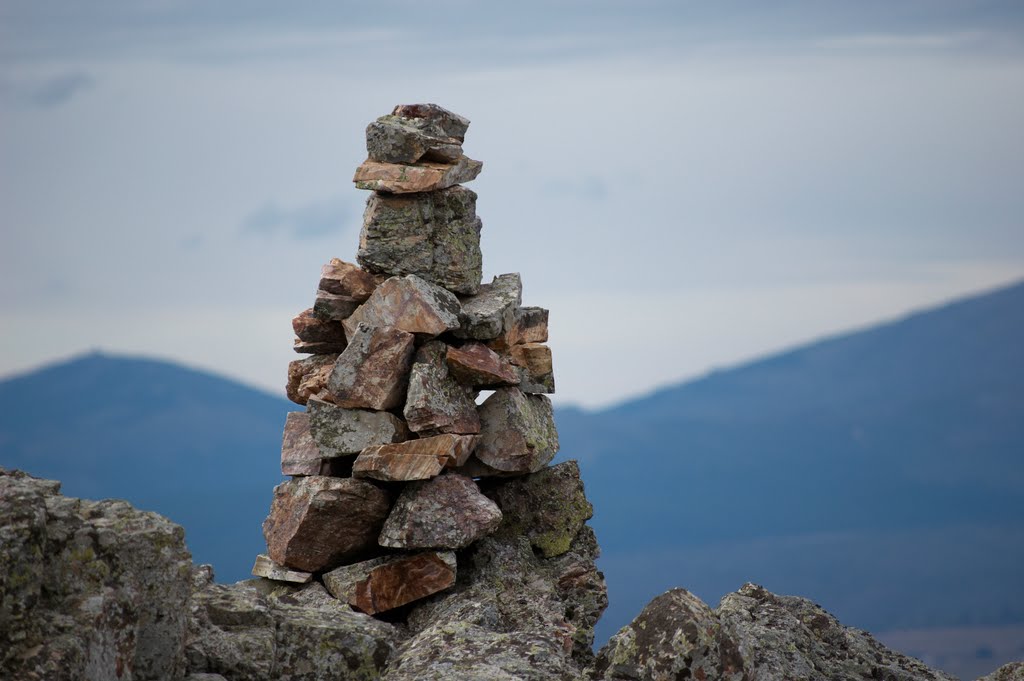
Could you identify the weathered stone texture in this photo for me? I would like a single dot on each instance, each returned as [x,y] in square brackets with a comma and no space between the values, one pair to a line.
[344,432]
[410,304]
[89,590]
[310,329]
[436,402]
[318,347]
[299,452]
[533,364]
[549,507]
[517,431]
[448,123]
[373,372]
[317,523]
[1013,671]
[529,325]
[401,178]
[345,279]
[487,314]
[477,366]
[403,580]
[416,131]
[264,567]
[418,459]
[341,582]
[446,512]
[307,378]
[435,235]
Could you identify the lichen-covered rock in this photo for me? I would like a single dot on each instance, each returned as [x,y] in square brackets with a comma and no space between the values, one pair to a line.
[373,371]
[436,402]
[435,235]
[345,432]
[1008,672]
[754,635]
[446,512]
[418,459]
[89,590]
[252,630]
[517,432]
[410,304]
[407,178]
[549,507]
[479,367]
[317,522]
[487,314]
[676,636]
[414,132]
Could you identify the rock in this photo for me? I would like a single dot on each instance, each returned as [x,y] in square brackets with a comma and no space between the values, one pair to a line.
[410,304]
[1013,671]
[317,523]
[446,512]
[317,347]
[251,631]
[754,635]
[334,306]
[487,314]
[418,459]
[344,432]
[425,176]
[341,582]
[512,615]
[676,636]
[90,590]
[373,371]
[400,581]
[299,452]
[517,431]
[436,402]
[446,122]
[529,325]
[312,330]
[533,366]
[435,236]
[475,468]
[307,378]
[265,567]
[549,507]
[345,279]
[477,366]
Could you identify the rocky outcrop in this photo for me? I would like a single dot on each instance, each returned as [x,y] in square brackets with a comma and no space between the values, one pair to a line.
[89,590]
[1008,672]
[754,635]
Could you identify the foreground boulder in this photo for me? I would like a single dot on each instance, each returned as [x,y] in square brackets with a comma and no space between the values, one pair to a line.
[754,635]
[90,590]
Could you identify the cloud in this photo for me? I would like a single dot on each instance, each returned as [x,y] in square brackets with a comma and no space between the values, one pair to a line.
[309,221]
[58,90]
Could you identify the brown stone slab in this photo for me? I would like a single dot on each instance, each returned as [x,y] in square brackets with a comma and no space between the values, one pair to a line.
[446,512]
[534,363]
[265,567]
[476,365]
[334,306]
[345,279]
[414,459]
[436,402]
[410,304]
[317,347]
[403,581]
[317,523]
[307,378]
[373,371]
[312,330]
[410,178]
[529,325]
[299,452]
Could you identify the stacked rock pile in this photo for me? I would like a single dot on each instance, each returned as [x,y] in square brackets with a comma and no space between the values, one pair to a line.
[384,458]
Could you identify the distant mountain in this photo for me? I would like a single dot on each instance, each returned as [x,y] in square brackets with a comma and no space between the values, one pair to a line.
[878,472]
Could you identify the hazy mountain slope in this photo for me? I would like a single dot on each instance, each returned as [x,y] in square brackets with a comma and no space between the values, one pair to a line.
[200,449]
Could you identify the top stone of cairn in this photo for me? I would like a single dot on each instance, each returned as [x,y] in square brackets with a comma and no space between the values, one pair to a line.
[416,132]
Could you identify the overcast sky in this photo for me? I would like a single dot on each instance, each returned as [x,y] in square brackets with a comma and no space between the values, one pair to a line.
[684,185]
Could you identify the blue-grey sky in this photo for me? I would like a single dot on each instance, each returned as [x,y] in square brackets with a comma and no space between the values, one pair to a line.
[685,185]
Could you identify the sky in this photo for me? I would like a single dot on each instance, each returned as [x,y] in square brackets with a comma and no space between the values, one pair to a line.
[685,185]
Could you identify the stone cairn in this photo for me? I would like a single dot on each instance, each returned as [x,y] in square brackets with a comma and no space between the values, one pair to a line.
[384,458]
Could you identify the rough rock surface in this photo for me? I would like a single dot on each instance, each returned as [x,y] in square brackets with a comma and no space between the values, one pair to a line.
[317,347]
[436,402]
[345,279]
[435,236]
[549,507]
[402,580]
[418,459]
[299,452]
[446,512]
[313,330]
[416,131]
[90,590]
[373,371]
[533,363]
[256,630]
[529,325]
[264,567]
[333,306]
[492,310]
[517,432]
[307,378]
[449,124]
[425,176]
[476,365]
[754,635]
[317,522]
[344,432]
[410,304]
[1008,672]
[341,582]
